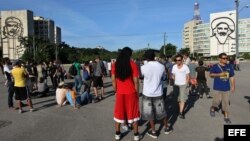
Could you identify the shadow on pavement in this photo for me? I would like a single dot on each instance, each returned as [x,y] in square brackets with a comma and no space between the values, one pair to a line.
[172,105]
[48,100]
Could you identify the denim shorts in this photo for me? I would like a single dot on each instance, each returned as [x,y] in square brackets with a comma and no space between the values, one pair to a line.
[153,108]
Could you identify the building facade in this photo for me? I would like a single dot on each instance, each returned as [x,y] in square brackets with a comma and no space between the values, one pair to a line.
[58,35]
[14,26]
[201,42]
[44,29]
[188,34]
[244,35]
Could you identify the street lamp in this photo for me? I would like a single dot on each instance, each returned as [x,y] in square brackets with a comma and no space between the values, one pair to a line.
[237,27]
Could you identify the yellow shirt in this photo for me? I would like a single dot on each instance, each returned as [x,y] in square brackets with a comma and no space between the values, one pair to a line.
[19,77]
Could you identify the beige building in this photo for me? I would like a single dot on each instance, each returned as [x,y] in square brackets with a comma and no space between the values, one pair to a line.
[14,26]
[44,29]
[188,34]
[201,39]
[244,35]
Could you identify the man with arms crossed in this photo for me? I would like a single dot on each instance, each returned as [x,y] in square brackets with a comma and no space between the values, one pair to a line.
[153,105]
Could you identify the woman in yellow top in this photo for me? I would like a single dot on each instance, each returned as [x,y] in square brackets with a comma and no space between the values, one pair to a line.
[21,92]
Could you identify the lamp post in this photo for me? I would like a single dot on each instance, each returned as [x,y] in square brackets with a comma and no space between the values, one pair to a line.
[56,51]
[237,28]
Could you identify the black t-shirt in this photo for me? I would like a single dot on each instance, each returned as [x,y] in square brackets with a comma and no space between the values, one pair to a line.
[201,73]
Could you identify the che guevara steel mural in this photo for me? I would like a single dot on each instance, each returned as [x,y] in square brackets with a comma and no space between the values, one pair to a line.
[222,33]
[13,31]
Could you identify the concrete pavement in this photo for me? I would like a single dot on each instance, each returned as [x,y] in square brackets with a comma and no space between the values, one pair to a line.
[94,122]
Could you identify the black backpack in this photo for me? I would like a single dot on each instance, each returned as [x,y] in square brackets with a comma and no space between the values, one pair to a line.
[73,70]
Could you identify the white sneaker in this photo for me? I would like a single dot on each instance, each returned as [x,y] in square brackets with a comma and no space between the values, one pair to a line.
[31,110]
[20,111]
[117,137]
[137,137]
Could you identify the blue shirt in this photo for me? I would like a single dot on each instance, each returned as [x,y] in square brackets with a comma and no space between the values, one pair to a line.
[222,84]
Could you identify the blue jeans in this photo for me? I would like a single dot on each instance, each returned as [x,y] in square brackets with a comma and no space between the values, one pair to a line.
[78,83]
[84,98]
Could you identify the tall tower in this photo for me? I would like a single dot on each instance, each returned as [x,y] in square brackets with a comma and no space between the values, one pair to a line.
[196,12]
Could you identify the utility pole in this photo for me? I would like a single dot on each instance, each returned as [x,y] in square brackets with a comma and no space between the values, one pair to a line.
[164,43]
[237,28]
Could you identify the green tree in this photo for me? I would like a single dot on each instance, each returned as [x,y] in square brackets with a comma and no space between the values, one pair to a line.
[184,50]
[170,50]
[246,55]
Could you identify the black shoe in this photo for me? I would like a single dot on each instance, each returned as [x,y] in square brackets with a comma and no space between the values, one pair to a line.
[181,115]
[152,134]
[96,100]
[201,96]
[168,130]
[212,113]
[227,120]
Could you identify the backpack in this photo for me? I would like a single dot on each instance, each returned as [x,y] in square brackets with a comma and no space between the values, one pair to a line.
[73,70]
[86,75]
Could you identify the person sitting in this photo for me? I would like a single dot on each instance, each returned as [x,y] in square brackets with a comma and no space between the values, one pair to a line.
[42,87]
[72,97]
[61,94]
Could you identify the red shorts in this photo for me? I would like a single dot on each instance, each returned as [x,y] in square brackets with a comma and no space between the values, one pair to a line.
[126,108]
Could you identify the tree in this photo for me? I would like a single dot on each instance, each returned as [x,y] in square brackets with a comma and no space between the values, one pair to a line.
[246,55]
[184,50]
[170,50]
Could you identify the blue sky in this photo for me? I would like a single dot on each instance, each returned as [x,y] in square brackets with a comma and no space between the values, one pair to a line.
[114,24]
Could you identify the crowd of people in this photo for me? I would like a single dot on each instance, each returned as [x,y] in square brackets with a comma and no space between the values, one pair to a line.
[181,72]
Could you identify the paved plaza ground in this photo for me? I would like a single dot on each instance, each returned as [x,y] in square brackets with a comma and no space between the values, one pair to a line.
[94,122]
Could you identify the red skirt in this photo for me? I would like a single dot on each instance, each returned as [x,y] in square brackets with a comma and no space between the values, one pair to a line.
[126,108]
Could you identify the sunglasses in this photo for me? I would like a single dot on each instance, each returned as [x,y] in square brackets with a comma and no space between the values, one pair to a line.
[178,60]
[224,58]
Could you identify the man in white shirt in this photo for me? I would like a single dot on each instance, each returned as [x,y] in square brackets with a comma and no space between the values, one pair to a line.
[180,75]
[186,59]
[9,81]
[153,105]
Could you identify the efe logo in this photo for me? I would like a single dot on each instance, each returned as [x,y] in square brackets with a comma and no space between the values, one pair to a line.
[236,132]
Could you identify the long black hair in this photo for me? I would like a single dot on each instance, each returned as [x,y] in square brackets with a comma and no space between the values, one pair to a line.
[123,69]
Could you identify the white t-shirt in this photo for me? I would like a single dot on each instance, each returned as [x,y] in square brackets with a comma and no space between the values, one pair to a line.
[187,61]
[109,65]
[152,72]
[180,74]
[60,95]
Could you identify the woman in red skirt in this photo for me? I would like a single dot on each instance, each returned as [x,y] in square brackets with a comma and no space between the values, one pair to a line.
[125,82]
